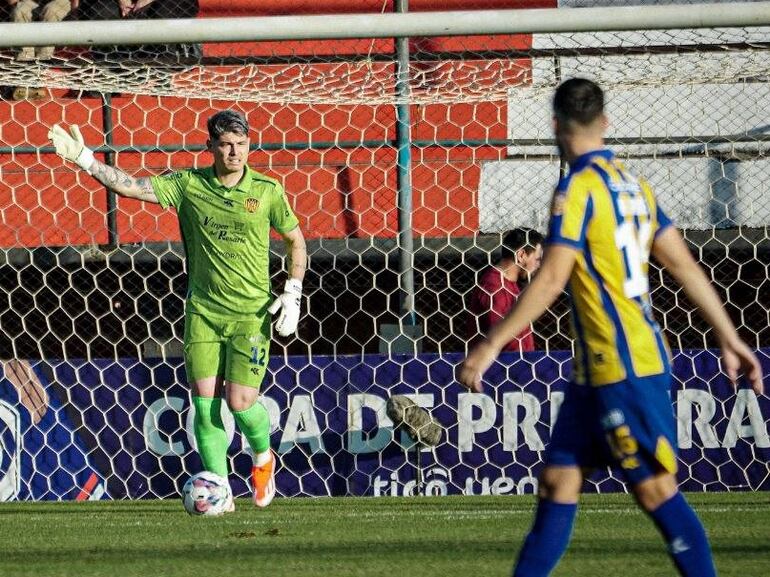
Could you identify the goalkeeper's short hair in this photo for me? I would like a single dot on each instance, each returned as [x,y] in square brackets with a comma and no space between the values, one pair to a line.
[227,121]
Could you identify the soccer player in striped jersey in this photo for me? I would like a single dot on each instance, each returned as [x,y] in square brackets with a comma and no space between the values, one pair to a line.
[225,214]
[605,224]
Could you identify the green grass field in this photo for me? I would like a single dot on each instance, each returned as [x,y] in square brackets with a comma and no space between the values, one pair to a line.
[361,537]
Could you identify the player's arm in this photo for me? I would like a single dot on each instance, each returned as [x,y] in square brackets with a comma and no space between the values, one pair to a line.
[289,301]
[122,183]
[671,251]
[545,288]
[296,249]
[70,146]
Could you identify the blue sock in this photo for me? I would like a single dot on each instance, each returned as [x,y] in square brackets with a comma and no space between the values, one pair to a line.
[686,539]
[547,540]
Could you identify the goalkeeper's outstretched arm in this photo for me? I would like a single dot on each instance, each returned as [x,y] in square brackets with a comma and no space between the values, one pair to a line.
[70,146]
[125,185]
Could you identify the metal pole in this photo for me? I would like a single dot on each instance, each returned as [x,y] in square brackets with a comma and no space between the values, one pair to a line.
[109,159]
[702,142]
[404,176]
[418,488]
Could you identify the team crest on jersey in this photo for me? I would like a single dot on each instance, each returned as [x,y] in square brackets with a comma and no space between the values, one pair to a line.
[251,204]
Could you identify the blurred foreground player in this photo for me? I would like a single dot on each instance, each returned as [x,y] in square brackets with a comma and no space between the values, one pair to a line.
[605,223]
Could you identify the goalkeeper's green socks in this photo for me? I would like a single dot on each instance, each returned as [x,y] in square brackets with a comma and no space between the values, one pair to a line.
[254,423]
[210,434]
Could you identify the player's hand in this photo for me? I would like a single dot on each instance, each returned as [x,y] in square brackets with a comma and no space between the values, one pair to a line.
[475,365]
[70,146]
[126,6]
[140,5]
[288,304]
[738,358]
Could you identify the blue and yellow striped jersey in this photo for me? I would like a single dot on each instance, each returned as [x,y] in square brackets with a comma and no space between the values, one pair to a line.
[611,217]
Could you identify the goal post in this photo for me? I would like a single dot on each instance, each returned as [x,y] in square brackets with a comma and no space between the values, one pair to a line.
[93,397]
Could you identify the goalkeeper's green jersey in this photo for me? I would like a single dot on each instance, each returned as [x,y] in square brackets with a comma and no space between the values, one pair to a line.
[226,234]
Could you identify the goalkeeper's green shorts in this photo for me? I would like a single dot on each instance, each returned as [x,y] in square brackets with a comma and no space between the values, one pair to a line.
[235,350]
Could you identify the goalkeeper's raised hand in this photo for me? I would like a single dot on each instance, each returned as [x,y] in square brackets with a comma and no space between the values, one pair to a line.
[288,304]
[70,146]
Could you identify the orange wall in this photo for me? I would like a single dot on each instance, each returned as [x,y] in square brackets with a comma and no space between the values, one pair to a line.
[337,192]
[218,8]
[290,7]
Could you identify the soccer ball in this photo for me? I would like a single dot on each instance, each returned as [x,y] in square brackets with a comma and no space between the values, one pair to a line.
[207,494]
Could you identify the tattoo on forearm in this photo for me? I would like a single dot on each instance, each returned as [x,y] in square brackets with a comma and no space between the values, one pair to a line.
[117,180]
[297,270]
[297,266]
[145,184]
[111,177]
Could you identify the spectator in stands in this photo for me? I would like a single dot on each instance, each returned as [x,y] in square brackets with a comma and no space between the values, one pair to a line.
[140,10]
[30,11]
[116,9]
[499,285]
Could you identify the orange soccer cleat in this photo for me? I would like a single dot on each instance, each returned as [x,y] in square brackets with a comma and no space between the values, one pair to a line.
[263,480]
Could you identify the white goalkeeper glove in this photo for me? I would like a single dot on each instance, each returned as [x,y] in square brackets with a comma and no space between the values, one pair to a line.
[288,304]
[71,146]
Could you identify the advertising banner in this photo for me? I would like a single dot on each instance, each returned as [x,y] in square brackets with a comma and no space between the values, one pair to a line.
[123,429]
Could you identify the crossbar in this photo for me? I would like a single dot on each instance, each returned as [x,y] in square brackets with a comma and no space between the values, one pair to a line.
[348,26]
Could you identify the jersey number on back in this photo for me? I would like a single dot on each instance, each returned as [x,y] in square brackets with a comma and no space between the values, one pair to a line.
[634,243]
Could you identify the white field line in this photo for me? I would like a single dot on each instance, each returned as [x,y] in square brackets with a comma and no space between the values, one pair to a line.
[479,514]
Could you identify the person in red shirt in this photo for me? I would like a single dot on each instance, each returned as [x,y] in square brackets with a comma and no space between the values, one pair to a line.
[499,288]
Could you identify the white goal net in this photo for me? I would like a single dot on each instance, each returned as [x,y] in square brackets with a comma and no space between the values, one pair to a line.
[93,396]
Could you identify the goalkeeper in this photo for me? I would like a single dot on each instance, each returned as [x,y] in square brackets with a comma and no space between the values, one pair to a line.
[225,214]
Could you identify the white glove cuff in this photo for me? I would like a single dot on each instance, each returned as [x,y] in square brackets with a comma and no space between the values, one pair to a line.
[85,159]
[293,286]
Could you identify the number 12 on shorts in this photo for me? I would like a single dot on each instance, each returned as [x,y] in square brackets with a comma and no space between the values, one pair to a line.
[258,355]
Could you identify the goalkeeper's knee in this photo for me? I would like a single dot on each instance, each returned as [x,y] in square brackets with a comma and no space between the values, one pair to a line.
[208,414]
